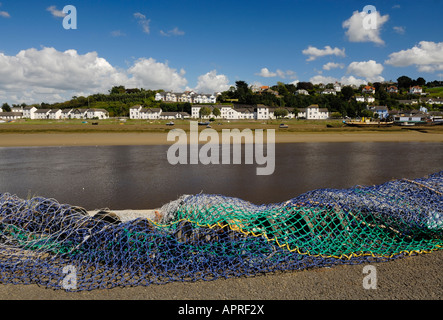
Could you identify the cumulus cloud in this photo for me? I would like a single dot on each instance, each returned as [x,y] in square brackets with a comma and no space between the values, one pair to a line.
[50,75]
[351,80]
[212,82]
[55,12]
[154,75]
[427,56]
[265,73]
[365,27]
[315,53]
[333,65]
[143,22]
[370,70]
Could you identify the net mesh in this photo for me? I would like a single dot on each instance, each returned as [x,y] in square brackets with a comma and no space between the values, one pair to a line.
[205,237]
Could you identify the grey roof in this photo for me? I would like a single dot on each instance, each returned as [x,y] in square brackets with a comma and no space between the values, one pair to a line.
[43,110]
[11,114]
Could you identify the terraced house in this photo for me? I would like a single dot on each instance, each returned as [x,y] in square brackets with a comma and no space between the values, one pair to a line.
[187,96]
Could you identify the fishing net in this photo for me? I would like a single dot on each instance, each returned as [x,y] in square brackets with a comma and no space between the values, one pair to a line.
[205,237]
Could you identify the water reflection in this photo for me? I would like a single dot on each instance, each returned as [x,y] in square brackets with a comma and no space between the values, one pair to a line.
[140,177]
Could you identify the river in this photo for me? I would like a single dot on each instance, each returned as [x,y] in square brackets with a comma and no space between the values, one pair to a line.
[140,177]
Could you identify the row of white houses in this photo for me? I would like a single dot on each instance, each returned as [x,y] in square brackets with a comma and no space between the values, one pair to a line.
[55,114]
[229,112]
[138,112]
[261,112]
[187,96]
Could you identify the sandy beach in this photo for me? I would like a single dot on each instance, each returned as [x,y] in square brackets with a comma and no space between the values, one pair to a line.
[159,138]
[412,278]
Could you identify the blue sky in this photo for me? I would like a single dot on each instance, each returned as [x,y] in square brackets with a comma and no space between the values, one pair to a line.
[208,45]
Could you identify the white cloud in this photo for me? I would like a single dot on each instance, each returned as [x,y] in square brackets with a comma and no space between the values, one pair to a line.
[55,12]
[143,22]
[265,73]
[399,29]
[370,70]
[427,56]
[174,32]
[50,75]
[333,65]
[351,80]
[149,73]
[212,82]
[322,79]
[315,53]
[365,27]
[4,14]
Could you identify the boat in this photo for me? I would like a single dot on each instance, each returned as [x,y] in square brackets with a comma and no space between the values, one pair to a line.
[282,125]
[407,124]
[366,124]
[203,123]
[170,123]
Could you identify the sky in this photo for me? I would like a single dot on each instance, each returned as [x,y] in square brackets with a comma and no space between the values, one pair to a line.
[47,55]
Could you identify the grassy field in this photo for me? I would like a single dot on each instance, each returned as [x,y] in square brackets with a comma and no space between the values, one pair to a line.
[115,125]
[435,92]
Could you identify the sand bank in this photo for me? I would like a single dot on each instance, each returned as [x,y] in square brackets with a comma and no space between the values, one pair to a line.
[157,138]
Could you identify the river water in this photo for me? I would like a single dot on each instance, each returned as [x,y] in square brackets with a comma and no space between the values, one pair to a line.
[140,177]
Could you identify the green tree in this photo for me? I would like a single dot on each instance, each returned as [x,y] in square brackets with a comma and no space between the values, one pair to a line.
[347,92]
[404,82]
[216,112]
[204,112]
[280,113]
[420,81]
[117,90]
[6,107]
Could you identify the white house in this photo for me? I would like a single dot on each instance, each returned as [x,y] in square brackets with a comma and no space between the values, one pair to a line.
[329,91]
[314,112]
[392,89]
[79,113]
[368,99]
[66,114]
[169,115]
[415,90]
[11,115]
[337,87]
[134,112]
[97,114]
[410,117]
[368,89]
[149,113]
[382,111]
[262,112]
[42,113]
[17,109]
[54,114]
[29,112]
[302,91]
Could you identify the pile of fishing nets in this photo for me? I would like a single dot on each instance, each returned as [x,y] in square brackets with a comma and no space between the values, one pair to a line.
[205,237]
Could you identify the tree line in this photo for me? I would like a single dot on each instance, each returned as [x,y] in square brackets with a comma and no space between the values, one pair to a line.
[283,96]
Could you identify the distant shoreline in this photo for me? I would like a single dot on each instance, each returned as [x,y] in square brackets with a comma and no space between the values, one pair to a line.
[160,138]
